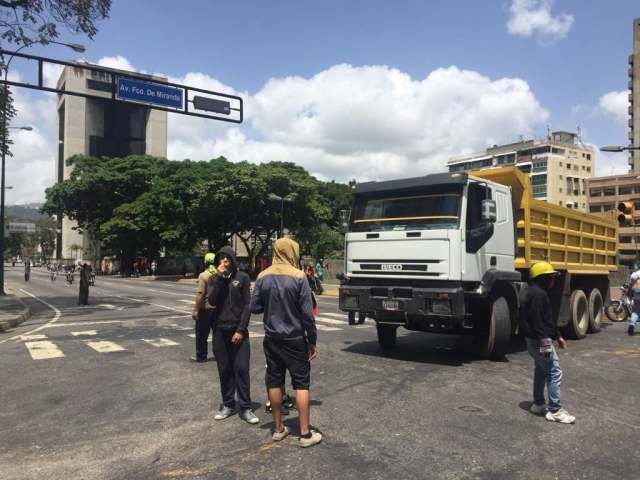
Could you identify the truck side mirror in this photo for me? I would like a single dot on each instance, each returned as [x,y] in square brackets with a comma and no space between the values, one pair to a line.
[488,211]
[344,219]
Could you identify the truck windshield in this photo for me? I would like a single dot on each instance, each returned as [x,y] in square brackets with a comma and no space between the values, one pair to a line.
[424,211]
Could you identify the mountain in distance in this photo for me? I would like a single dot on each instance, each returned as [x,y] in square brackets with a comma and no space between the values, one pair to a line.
[29,212]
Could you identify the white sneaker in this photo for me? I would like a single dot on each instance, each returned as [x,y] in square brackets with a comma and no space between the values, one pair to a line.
[561,416]
[538,409]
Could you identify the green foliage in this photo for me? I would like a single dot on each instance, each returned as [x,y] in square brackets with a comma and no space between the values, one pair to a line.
[46,236]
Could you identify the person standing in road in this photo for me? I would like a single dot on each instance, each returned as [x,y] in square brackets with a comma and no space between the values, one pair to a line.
[85,279]
[27,269]
[634,284]
[154,268]
[283,294]
[538,326]
[229,292]
[202,312]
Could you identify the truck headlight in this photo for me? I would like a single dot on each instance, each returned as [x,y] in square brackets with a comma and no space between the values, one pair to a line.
[441,307]
[350,302]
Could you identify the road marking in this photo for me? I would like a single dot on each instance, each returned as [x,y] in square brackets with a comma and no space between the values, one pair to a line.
[335,315]
[108,306]
[185,301]
[87,333]
[153,304]
[176,317]
[192,335]
[55,318]
[324,328]
[32,337]
[210,337]
[180,327]
[330,320]
[256,335]
[43,350]
[83,324]
[160,342]
[105,347]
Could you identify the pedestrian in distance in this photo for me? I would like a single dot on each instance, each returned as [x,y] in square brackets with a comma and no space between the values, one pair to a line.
[203,312]
[634,283]
[283,295]
[540,330]
[27,269]
[154,268]
[229,292]
[85,280]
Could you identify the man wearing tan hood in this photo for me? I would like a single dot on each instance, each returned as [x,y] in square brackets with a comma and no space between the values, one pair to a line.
[282,293]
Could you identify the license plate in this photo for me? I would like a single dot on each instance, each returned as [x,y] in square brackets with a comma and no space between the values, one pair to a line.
[391,304]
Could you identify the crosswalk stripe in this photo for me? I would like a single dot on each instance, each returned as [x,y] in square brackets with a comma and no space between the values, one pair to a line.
[105,347]
[87,333]
[185,301]
[335,315]
[25,338]
[193,335]
[180,327]
[43,350]
[324,328]
[330,320]
[160,342]
[256,335]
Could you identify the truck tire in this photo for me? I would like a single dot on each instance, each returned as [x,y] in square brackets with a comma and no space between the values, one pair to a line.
[387,336]
[497,338]
[352,318]
[361,317]
[595,310]
[578,316]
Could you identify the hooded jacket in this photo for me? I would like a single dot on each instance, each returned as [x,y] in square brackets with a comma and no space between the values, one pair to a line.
[536,316]
[230,295]
[282,293]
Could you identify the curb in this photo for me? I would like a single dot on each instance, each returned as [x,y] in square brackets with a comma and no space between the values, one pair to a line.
[18,319]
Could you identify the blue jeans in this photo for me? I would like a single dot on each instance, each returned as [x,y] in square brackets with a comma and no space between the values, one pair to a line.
[547,372]
[633,319]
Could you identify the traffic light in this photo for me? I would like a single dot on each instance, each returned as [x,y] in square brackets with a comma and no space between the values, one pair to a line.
[625,217]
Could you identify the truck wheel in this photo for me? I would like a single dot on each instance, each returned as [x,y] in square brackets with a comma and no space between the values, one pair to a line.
[386,336]
[595,310]
[497,338]
[578,316]
[352,318]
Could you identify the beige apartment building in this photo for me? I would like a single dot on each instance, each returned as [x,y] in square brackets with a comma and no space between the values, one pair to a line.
[634,99]
[604,195]
[101,128]
[558,165]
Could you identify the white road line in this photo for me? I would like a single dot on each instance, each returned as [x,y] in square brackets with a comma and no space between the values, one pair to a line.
[176,317]
[43,350]
[105,347]
[324,328]
[87,333]
[192,335]
[185,301]
[335,315]
[154,304]
[256,335]
[32,337]
[55,318]
[83,324]
[331,321]
[160,342]
[180,327]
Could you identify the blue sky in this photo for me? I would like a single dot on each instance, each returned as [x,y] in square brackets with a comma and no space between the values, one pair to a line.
[443,63]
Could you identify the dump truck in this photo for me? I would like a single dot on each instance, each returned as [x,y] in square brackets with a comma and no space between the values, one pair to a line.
[450,253]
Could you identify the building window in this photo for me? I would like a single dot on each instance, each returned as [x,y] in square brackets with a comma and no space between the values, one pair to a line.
[595,209]
[576,167]
[625,239]
[540,166]
[557,151]
[588,156]
[560,163]
[539,184]
[595,192]
[560,189]
[625,190]
[588,169]
[607,207]
[609,191]
[560,177]
[568,166]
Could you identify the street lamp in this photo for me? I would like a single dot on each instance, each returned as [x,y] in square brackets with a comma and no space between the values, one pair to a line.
[277,198]
[74,46]
[617,148]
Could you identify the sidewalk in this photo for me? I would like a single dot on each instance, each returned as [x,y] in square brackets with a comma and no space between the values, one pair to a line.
[13,311]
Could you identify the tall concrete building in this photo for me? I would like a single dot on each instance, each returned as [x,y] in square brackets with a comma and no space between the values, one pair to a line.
[101,128]
[634,99]
[558,165]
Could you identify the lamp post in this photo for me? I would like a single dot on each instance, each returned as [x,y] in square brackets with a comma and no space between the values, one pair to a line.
[278,198]
[617,148]
[74,46]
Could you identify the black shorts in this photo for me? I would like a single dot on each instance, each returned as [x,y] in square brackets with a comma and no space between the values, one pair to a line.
[283,355]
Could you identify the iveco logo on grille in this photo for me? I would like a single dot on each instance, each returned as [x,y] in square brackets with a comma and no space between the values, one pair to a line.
[391,266]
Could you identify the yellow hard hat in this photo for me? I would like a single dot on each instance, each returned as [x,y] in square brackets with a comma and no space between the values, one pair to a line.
[541,268]
[209,258]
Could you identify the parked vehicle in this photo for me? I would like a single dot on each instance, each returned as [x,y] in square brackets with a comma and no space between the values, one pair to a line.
[450,252]
[620,310]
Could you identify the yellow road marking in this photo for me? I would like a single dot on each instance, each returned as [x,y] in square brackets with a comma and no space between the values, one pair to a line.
[43,350]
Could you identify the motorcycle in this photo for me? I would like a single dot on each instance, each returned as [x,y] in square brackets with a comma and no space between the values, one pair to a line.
[620,310]
[315,284]
[70,278]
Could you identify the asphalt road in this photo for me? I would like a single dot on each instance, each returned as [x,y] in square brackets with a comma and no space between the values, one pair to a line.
[107,392]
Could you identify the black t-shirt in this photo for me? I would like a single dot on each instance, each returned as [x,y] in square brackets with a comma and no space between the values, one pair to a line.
[536,317]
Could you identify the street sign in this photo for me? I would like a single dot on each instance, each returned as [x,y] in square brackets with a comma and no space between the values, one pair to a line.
[211,105]
[146,92]
[17,227]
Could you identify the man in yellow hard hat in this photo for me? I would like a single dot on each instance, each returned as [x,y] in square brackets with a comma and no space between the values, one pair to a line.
[202,312]
[539,328]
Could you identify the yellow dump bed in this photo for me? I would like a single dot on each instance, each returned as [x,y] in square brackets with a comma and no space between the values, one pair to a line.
[571,240]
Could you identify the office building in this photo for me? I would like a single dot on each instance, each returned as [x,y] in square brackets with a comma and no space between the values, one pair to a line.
[558,165]
[634,99]
[101,128]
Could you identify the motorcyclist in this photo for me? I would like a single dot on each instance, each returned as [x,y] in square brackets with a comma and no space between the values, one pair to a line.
[634,285]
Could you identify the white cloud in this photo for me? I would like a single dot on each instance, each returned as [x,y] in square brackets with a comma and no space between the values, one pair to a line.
[616,104]
[533,18]
[612,163]
[119,62]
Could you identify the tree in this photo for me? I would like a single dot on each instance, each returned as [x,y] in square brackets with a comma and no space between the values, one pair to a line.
[46,236]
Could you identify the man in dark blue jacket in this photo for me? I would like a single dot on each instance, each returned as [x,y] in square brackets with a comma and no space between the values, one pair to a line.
[229,292]
[282,293]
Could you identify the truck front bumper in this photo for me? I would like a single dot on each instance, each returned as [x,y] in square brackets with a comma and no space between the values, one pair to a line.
[416,308]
